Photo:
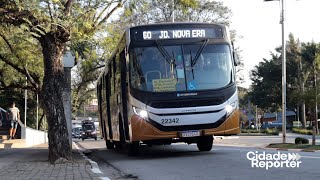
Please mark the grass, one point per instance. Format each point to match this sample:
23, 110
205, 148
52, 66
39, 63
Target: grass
294, 146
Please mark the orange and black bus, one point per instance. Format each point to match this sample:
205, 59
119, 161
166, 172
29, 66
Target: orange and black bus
167, 83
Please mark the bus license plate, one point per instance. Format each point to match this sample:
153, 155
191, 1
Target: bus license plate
190, 133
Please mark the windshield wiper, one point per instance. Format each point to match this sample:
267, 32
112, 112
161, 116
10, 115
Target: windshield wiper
194, 61
191, 64
164, 53
167, 57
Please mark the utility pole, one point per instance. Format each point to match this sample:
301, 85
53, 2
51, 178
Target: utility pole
37, 112
257, 117
172, 10
315, 123
25, 103
249, 113
68, 63
284, 83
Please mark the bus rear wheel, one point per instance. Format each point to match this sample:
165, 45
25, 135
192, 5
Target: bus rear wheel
118, 145
205, 143
133, 149
109, 144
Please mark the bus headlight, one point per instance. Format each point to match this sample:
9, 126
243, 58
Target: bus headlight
231, 107
140, 112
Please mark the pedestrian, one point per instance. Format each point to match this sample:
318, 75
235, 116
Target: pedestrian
13, 115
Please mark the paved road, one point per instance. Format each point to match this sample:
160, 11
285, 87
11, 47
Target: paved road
182, 161
260, 141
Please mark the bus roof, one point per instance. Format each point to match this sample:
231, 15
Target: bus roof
177, 23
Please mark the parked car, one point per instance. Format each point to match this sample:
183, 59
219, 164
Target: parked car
76, 132
277, 125
272, 125
88, 130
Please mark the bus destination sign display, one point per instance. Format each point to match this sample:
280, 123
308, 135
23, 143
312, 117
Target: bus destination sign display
180, 34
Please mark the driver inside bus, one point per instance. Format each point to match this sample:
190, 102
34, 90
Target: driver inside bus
150, 66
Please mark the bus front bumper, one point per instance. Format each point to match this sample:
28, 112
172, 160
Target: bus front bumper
141, 129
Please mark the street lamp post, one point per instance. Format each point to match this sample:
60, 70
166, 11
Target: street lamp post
68, 60
284, 83
172, 10
25, 103
283, 71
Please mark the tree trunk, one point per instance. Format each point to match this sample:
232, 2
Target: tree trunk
52, 92
40, 121
301, 84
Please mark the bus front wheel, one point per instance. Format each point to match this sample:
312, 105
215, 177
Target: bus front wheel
205, 143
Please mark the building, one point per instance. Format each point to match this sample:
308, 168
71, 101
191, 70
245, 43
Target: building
270, 119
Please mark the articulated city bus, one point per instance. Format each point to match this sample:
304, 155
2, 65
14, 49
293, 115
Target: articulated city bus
167, 83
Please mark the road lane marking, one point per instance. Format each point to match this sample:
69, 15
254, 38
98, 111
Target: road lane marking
94, 166
226, 137
311, 157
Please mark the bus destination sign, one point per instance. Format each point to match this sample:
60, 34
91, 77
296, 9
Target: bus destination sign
180, 34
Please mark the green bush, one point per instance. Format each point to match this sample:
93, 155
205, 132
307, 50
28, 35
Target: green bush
249, 131
273, 131
300, 140
302, 131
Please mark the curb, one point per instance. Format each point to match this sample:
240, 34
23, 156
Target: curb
225, 137
94, 166
267, 148
292, 150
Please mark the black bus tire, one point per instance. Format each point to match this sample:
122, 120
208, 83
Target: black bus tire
118, 145
109, 144
205, 143
133, 149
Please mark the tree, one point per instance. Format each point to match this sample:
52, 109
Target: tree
266, 86
302, 74
147, 11
136, 13
87, 72
267, 80
311, 55
19, 56
53, 24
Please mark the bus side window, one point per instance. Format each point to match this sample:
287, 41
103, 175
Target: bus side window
114, 65
111, 79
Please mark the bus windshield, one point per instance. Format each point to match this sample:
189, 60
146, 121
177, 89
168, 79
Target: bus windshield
181, 67
87, 127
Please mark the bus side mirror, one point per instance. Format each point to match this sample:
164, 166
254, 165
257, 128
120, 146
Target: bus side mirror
235, 56
236, 59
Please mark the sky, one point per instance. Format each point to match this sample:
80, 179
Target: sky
258, 23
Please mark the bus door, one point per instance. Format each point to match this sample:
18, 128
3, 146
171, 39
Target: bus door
108, 86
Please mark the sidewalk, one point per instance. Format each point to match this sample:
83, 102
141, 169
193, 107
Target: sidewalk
32, 163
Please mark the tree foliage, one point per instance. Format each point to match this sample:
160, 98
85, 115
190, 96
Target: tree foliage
51, 24
147, 11
302, 73
144, 12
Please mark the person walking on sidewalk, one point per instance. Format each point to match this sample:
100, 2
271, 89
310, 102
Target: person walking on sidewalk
13, 115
